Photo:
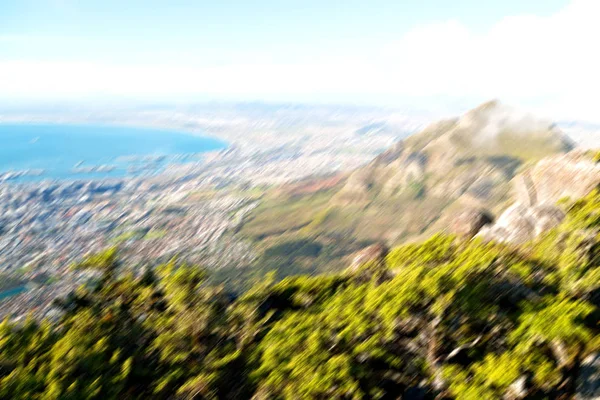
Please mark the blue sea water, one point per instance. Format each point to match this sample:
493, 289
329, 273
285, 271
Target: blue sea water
12, 292
73, 151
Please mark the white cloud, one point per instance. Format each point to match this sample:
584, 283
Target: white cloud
519, 57
550, 63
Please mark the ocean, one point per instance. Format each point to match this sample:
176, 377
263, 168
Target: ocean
12, 292
54, 151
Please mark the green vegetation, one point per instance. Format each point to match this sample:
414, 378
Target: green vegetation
277, 215
128, 235
440, 319
412, 189
416, 189
155, 234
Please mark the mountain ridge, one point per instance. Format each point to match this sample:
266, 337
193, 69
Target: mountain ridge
412, 189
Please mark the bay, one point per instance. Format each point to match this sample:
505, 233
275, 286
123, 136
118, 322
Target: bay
56, 151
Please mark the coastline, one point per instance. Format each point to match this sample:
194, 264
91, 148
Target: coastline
86, 151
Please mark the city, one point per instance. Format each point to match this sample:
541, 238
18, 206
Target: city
189, 210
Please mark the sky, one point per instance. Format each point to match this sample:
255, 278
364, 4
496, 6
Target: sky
443, 54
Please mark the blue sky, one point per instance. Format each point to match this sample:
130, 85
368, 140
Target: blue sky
225, 31
378, 51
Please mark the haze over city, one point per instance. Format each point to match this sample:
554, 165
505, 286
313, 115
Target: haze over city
425, 55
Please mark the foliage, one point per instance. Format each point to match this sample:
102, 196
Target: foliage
448, 318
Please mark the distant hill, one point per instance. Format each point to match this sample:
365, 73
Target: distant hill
411, 189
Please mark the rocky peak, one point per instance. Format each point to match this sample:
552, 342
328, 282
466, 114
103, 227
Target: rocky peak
468, 161
495, 128
494, 117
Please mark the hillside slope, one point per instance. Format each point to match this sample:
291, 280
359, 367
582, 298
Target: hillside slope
442, 319
416, 186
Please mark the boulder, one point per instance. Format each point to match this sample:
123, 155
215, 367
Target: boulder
467, 223
517, 389
538, 190
573, 175
375, 253
521, 223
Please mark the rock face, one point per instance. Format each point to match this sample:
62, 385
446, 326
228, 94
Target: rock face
573, 175
388, 174
495, 130
521, 223
409, 191
451, 155
538, 190
374, 253
469, 222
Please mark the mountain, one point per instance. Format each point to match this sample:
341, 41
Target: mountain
468, 155
445, 318
416, 187
511, 311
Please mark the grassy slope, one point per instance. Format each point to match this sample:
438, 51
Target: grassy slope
403, 216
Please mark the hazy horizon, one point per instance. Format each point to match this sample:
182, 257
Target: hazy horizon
532, 54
